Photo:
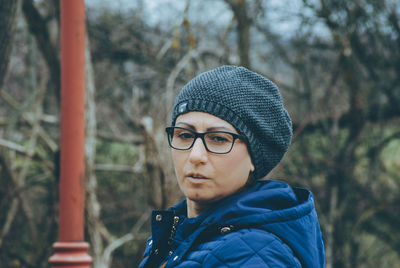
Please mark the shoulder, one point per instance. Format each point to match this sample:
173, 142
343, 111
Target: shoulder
250, 248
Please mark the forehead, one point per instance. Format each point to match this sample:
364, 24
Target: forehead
201, 120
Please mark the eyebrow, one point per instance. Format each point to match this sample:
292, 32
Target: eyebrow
190, 126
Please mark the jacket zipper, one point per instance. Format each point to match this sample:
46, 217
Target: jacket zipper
173, 230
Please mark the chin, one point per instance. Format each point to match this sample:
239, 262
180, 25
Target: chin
203, 199
198, 197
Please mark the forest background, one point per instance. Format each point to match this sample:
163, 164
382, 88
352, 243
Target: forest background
337, 63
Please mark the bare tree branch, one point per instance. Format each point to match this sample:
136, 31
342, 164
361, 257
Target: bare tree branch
28, 118
12, 211
107, 256
322, 101
13, 146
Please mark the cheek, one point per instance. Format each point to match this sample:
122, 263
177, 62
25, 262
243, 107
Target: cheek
178, 160
238, 166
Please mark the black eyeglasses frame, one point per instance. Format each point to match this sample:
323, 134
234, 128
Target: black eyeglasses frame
170, 131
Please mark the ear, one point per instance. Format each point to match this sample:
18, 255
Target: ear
251, 167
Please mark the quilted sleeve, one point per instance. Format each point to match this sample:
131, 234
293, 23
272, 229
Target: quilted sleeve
251, 248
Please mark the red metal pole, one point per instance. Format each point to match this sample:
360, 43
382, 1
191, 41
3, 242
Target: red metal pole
70, 249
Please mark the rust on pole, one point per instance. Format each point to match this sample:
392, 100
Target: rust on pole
70, 250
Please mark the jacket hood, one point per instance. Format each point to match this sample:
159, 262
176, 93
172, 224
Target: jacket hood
273, 206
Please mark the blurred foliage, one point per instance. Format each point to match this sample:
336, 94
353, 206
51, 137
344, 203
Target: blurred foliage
337, 64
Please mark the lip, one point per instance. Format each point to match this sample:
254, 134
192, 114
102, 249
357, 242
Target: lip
196, 176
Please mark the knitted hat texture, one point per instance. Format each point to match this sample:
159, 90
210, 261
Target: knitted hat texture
249, 102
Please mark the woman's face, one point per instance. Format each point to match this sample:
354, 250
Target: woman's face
205, 177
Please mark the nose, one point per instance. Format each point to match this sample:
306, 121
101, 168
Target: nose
198, 153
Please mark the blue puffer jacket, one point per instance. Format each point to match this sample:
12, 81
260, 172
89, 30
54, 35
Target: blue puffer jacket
269, 225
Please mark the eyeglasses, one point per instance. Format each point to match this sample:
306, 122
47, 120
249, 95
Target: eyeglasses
217, 142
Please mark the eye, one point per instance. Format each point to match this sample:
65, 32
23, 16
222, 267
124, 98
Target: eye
219, 138
184, 135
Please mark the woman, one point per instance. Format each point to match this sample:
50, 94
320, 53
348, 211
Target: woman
229, 129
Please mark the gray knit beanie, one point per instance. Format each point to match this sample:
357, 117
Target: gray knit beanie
249, 102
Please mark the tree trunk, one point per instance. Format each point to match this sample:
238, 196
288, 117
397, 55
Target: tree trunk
92, 203
8, 14
239, 8
38, 28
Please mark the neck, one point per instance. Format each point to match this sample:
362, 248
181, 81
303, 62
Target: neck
194, 208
